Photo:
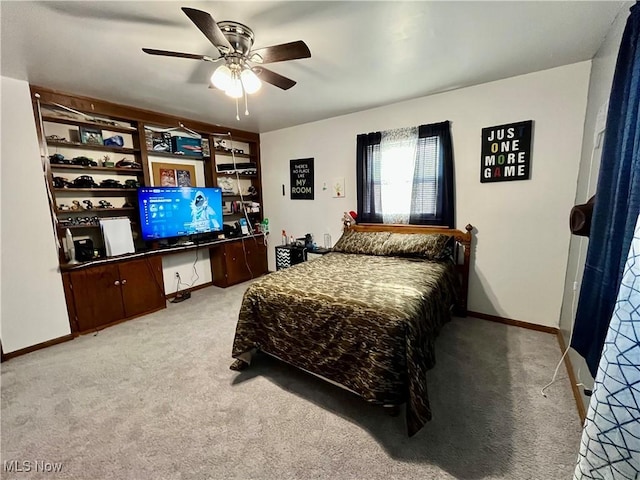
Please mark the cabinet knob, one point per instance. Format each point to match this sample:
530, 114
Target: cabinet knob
116, 283
124, 282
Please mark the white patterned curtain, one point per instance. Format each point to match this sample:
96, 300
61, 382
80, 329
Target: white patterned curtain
397, 161
610, 447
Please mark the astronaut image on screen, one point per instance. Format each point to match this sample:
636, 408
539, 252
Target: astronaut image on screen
202, 215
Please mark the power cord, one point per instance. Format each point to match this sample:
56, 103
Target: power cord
250, 228
573, 300
181, 297
244, 208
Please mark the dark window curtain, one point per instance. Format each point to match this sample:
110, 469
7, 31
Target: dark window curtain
368, 175
617, 202
434, 152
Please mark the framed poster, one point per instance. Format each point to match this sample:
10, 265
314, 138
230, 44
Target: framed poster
301, 186
506, 152
173, 175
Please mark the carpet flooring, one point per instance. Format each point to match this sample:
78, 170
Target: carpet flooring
154, 398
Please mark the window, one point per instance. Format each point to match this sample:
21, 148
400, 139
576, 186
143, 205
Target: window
406, 176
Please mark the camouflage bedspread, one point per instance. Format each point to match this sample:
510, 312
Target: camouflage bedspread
366, 322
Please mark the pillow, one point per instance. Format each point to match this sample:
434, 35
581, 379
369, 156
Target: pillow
432, 246
367, 243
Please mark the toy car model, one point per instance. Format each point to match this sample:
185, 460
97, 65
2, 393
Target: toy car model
61, 182
84, 161
84, 181
110, 183
58, 158
125, 163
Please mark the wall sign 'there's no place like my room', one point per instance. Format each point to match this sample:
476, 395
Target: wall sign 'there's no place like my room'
506, 152
301, 179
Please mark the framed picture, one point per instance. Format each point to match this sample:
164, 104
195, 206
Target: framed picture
91, 136
338, 187
173, 175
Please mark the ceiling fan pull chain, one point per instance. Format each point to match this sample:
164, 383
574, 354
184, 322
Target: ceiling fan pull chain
246, 103
237, 111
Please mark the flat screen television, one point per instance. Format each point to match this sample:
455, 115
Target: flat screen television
170, 212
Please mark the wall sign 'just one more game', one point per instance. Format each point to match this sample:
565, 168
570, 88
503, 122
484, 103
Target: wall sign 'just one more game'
506, 152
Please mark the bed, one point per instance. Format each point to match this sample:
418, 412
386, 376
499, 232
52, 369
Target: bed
364, 316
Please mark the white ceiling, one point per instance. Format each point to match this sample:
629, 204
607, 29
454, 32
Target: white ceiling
364, 54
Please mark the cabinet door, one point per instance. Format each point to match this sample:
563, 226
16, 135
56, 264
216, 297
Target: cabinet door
142, 286
97, 296
236, 264
257, 256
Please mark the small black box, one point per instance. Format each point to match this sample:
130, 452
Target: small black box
84, 249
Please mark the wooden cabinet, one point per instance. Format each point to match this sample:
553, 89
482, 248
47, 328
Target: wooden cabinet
238, 261
106, 294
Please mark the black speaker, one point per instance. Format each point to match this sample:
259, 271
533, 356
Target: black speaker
84, 249
231, 231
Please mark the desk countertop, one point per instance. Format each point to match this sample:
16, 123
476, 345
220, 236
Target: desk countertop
163, 250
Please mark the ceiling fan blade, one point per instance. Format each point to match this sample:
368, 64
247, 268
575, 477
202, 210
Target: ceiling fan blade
207, 25
281, 53
166, 53
273, 78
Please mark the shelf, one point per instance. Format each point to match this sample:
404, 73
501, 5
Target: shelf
237, 155
91, 146
96, 190
65, 166
97, 209
77, 227
237, 195
80, 123
240, 175
174, 155
239, 214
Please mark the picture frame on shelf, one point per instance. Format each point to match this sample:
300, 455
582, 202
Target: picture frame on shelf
173, 175
91, 136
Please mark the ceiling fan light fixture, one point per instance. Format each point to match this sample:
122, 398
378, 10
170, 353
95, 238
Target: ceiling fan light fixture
222, 77
250, 81
234, 90
234, 43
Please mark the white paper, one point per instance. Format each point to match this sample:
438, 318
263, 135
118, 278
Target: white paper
117, 235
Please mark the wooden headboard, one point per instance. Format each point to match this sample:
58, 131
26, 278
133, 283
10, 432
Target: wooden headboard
463, 241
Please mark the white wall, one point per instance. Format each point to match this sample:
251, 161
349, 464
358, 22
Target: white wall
603, 66
522, 240
33, 305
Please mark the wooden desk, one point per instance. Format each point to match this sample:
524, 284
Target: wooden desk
106, 291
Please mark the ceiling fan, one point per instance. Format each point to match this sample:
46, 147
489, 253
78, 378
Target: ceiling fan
242, 71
